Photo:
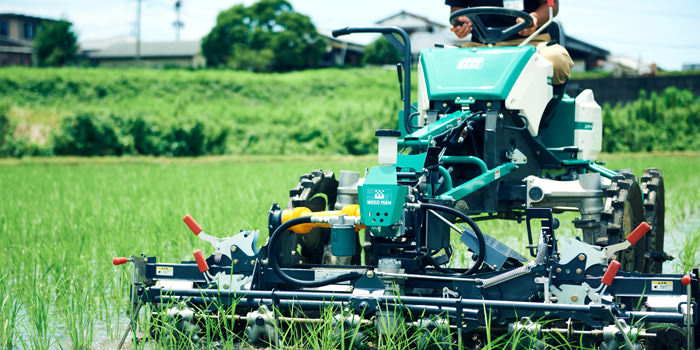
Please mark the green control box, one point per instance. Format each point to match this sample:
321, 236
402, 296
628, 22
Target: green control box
382, 200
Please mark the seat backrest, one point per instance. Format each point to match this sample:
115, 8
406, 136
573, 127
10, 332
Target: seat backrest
556, 31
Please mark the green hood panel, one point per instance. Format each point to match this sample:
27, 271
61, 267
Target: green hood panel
471, 74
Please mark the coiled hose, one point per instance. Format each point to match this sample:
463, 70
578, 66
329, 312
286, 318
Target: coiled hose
273, 253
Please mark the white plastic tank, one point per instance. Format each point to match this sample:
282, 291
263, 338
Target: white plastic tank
588, 126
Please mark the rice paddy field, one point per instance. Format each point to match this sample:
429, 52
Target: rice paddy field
62, 220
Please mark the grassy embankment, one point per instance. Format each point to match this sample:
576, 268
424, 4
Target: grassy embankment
324, 111
63, 220
73, 111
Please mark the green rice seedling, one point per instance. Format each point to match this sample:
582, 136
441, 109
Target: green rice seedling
9, 313
38, 303
77, 316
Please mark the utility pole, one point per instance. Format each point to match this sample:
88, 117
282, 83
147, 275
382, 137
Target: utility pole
138, 31
178, 24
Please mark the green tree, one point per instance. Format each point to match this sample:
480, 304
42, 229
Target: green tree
55, 44
267, 36
381, 51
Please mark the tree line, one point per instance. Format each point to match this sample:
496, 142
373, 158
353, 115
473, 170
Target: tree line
267, 36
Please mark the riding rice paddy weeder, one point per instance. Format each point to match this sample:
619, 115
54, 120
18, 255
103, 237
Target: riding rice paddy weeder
485, 141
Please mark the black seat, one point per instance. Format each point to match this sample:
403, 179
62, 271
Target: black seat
556, 32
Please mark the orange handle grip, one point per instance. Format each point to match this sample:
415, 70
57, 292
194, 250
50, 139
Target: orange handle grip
611, 272
119, 261
550, 3
685, 280
201, 262
638, 233
192, 224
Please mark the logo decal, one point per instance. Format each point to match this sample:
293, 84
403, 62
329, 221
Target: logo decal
471, 63
378, 194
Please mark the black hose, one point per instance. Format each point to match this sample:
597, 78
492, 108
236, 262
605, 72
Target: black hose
272, 252
471, 223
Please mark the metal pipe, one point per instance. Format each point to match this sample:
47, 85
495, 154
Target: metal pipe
466, 160
446, 175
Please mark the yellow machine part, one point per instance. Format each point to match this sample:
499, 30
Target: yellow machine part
289, 214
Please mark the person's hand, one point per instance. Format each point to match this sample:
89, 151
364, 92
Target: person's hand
464, 29
530, 30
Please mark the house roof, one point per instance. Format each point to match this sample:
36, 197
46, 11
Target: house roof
25, 17
150, 49
406, 13
573, 44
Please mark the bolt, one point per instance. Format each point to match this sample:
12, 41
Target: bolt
370, 274
574, 298
225, 286
579, 271
488, 104
581, 257
235, 261
233, 248
558, 270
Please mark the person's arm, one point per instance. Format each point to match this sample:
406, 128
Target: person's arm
539, 17
461, 31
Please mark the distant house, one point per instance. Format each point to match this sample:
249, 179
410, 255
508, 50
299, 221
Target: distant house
691, 66
586, 56
183, 54
17, 34
412, 23
422, 31
341, 53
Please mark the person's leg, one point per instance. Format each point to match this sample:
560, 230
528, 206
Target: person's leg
561, 61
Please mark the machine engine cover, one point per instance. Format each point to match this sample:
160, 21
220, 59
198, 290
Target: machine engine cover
470, 74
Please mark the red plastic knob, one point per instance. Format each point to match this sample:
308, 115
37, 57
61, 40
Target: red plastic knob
192, 224
638, 233
119, 261
550, 3
201, 262
685, 280
611, 272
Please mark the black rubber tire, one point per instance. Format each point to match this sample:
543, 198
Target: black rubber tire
318, 191
652, 183
622, 213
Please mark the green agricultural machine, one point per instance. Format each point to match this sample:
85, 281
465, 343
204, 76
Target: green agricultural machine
485, 140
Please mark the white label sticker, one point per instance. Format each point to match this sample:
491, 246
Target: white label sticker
665, 286
497, 174
326, 274
164, 271
514, 4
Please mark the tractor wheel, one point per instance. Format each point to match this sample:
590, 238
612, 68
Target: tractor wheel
653, 189
623, 212
317, 191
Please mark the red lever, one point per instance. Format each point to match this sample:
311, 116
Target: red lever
201, 262
638, 233
611, 272
119, 261
685, 280
550, 3
192, 224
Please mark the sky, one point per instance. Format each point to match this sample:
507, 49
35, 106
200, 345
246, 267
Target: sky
661, 32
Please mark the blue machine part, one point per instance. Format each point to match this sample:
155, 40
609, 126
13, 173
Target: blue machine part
496, 252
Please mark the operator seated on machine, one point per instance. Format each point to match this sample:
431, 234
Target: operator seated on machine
539, 11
